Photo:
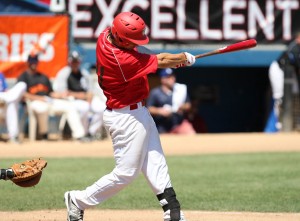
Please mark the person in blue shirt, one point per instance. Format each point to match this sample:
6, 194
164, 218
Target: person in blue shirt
169, 104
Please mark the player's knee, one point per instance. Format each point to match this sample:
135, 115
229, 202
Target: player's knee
168, 201
126, 176
22, 86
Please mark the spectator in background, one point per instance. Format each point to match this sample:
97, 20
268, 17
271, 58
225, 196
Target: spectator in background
287, 66
43, 101
289, 62
276, 77
169, 104
9, 104
293, 53
195, 118
79, 85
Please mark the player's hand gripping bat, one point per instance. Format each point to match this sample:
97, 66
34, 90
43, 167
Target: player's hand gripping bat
242, 45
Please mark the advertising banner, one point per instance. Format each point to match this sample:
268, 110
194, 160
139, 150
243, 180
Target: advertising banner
193, 21
21, 35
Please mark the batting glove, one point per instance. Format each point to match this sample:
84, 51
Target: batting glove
190, 59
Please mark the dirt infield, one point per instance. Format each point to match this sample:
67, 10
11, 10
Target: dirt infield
146, 215
173, 145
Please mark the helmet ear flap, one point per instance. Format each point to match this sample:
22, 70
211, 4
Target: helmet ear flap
118, 39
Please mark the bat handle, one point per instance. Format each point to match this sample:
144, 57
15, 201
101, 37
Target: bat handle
207, 54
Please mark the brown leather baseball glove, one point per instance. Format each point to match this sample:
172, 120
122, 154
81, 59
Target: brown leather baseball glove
28, 173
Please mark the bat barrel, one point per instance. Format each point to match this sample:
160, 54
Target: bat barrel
250, 43
242, 45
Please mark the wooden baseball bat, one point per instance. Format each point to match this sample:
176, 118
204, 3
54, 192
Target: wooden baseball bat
242, 45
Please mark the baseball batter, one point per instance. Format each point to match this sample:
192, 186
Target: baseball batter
122, 74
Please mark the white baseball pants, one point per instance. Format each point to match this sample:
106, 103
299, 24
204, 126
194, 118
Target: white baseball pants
137, 148
59, 106
12, 98
91, 114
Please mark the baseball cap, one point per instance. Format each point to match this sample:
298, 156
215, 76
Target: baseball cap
166, 72
33, 59
74, 57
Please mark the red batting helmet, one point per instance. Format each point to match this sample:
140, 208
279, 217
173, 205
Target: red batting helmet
129, 27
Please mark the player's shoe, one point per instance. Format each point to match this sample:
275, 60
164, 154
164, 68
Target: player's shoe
74, 213
167, 216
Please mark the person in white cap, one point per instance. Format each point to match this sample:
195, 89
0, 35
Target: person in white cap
79, 86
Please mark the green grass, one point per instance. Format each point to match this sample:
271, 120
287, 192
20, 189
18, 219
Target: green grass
260, 182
